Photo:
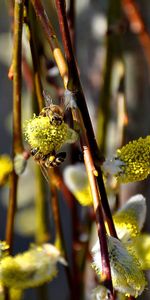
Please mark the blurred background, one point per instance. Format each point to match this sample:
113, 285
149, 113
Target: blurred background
113, 64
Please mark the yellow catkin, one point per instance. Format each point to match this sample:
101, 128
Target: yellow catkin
127, 277
6, 167
39, 133
136, 160
140, 248
31, 268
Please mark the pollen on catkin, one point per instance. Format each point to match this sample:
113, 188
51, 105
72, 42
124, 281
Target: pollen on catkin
127, 276
39, 133
6, 167
140, 248
131, 162
129, 219
136, 156
31, 268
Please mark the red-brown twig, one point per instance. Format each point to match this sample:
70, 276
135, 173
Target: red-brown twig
34, 54
137, 25
80, 100
17, 136
52, 39
92, 176
60, 237
17, 133
71, 21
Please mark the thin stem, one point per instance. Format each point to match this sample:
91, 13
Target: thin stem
59, 184
71, 21
59, 241
137, 25
35, 59
27, 74
17, 59
17, 135
113, 52
92, 176
122, 121
77, 272
11, 210
52, 39
75, 86
42, 234
11, 13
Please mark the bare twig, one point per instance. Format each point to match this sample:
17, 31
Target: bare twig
137, 25
42, 234
11, 210
52, 39
59, 240
27, 74
34, 54
113, 51
92, 176
75, 86
59, 184
71, 21
17, 135
17, 59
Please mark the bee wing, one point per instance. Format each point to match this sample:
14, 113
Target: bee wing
47, 98
68, 100
44, 172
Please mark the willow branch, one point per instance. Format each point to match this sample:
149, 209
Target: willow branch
77, 269
75, 86
11, 13
11, 210
122, 120
17, 135
137, 25
35, 58
59, 240
52, 39
71, 21
59, 184
92, 176
17, 59
42, 234
113, 52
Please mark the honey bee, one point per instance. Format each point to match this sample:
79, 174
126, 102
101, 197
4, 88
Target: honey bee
55, 113
49, 160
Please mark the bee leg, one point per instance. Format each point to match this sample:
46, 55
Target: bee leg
34, 151
44, 112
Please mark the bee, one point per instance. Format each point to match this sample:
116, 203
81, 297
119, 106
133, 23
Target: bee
49, 160
55, 113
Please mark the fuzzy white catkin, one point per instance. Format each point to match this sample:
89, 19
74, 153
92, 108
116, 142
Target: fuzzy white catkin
127, 277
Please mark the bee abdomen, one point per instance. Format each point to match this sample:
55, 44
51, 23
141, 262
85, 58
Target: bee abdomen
55, 161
